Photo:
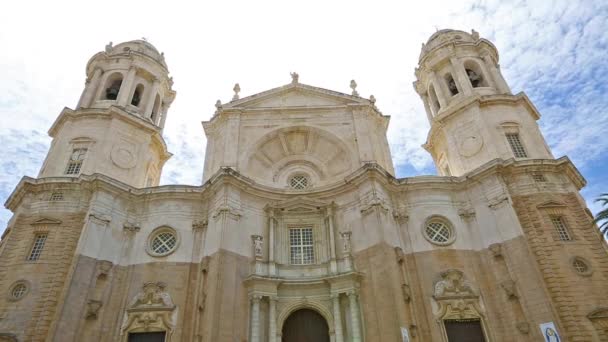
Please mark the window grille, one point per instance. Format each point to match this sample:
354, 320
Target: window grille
580, 266
516, 146
57, 196
75, 162
301, 246
164, 242
37, 247
18, 291
438, 232
299, 182
538, 178
562, 229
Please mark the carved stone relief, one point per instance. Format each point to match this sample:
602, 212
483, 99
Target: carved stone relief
152, 309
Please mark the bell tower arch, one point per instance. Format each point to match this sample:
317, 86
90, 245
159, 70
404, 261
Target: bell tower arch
116, 128
474, 116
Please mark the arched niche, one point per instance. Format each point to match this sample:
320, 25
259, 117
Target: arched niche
280, 154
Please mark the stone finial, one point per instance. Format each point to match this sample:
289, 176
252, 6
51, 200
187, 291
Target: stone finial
294, 77
162, 57
218, 106
372, 99
109, 47
475, 34
353, 86
237, 89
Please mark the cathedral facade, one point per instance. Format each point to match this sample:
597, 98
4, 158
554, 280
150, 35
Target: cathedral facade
300, 230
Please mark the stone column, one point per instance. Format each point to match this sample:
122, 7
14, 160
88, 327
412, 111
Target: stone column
272, 320
126, 87
271, 229
255, 318
332, 241
439, 91
90, 90
335, 298
354, 316
499, 81
427, 108
151, 97
460, 75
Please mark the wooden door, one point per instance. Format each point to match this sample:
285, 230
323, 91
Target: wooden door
464, 331
305, 326
147, 337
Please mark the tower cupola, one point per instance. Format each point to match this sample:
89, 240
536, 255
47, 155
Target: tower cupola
131, 75
474, 116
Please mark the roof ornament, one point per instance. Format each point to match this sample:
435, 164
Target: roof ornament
162, 57
218, 106
294, 77
237, 89
353, 86
372, 99
475, 34
109, 47
144, 39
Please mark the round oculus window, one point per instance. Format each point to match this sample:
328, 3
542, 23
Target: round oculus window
439, 232
299, 182
163, 242
581, 266
18, 291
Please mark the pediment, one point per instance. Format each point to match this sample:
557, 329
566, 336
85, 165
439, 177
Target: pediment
299, 204
550, 205
296, 95
46, 221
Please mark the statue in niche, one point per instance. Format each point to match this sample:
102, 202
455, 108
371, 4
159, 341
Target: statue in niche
346, 246
474, 78
257, 246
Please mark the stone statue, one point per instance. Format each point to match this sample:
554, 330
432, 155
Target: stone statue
475, 34
257, 246
346, 247
109, 47
372, 99
218, 106
294, 77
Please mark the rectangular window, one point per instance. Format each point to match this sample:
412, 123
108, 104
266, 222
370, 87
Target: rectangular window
75, 162
516, 145
464, 330
301, 246
57, 196
37, 247
538, 178
147, 337
562, 229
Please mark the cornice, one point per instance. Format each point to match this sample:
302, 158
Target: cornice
113, 112
229, 176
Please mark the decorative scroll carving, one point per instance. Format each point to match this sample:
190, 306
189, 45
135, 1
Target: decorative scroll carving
452, 285
399, 255
152, 309
93, 307
200, 224
374, 202
228, 211
510, 289
407, 292
131, 227
455, 297
496, 249
103, 268
498, 202
523, 327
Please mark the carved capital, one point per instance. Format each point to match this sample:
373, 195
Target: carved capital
200, 224
496, 249
93, 307
510, 289
407, 292
131, 227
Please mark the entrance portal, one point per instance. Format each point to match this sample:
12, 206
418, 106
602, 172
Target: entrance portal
305, 326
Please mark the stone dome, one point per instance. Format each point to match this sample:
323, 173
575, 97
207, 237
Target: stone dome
446, 36
137, 46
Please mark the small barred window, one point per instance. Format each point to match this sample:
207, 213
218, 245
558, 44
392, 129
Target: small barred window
18, 291
539, 178
439, 231
37, 247
580, 266
299, 182
516, 146
562, 229
75, 162
163, 242
301, 246
57, 196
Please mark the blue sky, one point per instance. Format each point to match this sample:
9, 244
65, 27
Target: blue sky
555, 51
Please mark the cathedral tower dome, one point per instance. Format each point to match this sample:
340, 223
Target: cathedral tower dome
474, 116
116, 129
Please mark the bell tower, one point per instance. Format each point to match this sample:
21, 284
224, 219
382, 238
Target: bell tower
116, 128
474, 116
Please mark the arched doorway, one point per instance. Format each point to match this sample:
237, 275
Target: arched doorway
305, 325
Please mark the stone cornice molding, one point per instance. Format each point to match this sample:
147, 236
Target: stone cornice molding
46, 221
113, 112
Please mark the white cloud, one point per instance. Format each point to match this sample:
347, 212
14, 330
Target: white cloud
554, 50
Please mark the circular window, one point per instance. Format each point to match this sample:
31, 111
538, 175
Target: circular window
299, 182
439, 231
163, 242
18, 290
581, 266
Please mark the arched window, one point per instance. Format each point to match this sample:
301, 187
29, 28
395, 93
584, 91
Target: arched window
475, 74
113, 86
434, 102
451, 84
136, 99
155, 108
